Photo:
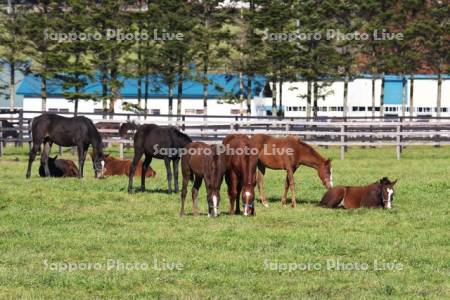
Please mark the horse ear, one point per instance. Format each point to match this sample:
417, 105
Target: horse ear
54, 158
329, 161
106, 155
394, 182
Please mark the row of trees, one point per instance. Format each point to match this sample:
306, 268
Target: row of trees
283, 40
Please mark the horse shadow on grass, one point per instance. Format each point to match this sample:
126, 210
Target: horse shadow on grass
274, 200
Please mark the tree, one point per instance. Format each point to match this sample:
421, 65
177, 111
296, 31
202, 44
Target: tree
211, 36
12, 44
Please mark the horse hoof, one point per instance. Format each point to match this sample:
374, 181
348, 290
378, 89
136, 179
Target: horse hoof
265, 203
293, 205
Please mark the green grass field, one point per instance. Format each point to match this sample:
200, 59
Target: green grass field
101, 233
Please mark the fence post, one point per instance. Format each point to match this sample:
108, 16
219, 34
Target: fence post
21, 127
399, 151
1, 148
342, 142
60, 150
121, 150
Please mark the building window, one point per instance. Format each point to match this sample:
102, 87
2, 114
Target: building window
155, 111
362, 108
189, 111
98, 110
53, 110
355, 108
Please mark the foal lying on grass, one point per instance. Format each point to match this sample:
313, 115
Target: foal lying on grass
59, 168
378, 194
115, 166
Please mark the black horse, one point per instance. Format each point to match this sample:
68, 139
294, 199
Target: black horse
10, 132
67, 132
161, 142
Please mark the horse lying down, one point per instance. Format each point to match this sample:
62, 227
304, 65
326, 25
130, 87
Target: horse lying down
115, 166
378, 194
59, 168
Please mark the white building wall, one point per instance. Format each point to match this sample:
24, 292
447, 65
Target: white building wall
359, 95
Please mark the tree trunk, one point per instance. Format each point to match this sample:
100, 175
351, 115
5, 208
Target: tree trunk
404, 94
205, 90
274, 96
180, 86
44, 93
170, 87
308, 100
146, 84
249, 94
439, 96
241, 93
280, 108
373, 94
411, 98
382, 95
12, 84
316, 106
104, 93
345, 102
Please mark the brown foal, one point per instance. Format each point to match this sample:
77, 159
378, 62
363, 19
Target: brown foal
288, 153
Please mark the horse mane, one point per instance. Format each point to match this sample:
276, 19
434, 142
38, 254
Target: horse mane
96, 138
311, 150
184, 137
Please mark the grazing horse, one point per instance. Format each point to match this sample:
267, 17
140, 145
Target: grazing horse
161, 142
115, 166
59, 168
203, 161
378, 194
67, 132
288, 153
242, 161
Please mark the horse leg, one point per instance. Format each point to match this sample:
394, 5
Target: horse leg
231, 181
195, 188
169, 175
32, 157
175, 174
145, 164
44, 158
237, 210
80, 150
186, 177
83, 158
292, 186
286, 188
260, 181
137, 157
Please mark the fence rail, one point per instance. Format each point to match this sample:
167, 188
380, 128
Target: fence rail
355, 131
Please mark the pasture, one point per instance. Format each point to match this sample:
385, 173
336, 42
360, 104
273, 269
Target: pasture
94, 225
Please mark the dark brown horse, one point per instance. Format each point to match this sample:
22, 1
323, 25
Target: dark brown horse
59, 168
242, 161
288, 153
66, 132
161, 142
378, 194
203, 161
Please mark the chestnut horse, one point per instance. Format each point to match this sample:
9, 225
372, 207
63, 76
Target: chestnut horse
288, 153
116, 166
203, 161
378, 194
242, 161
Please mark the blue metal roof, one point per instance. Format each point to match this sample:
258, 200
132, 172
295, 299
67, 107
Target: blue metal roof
220, 85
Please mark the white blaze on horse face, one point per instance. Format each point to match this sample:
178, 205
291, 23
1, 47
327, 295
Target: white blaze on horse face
245, 210
216, 209
247, 194
389, 199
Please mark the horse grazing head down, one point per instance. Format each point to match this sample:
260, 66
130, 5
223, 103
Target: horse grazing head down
248, 199
326, 173
387, 191
98, 161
